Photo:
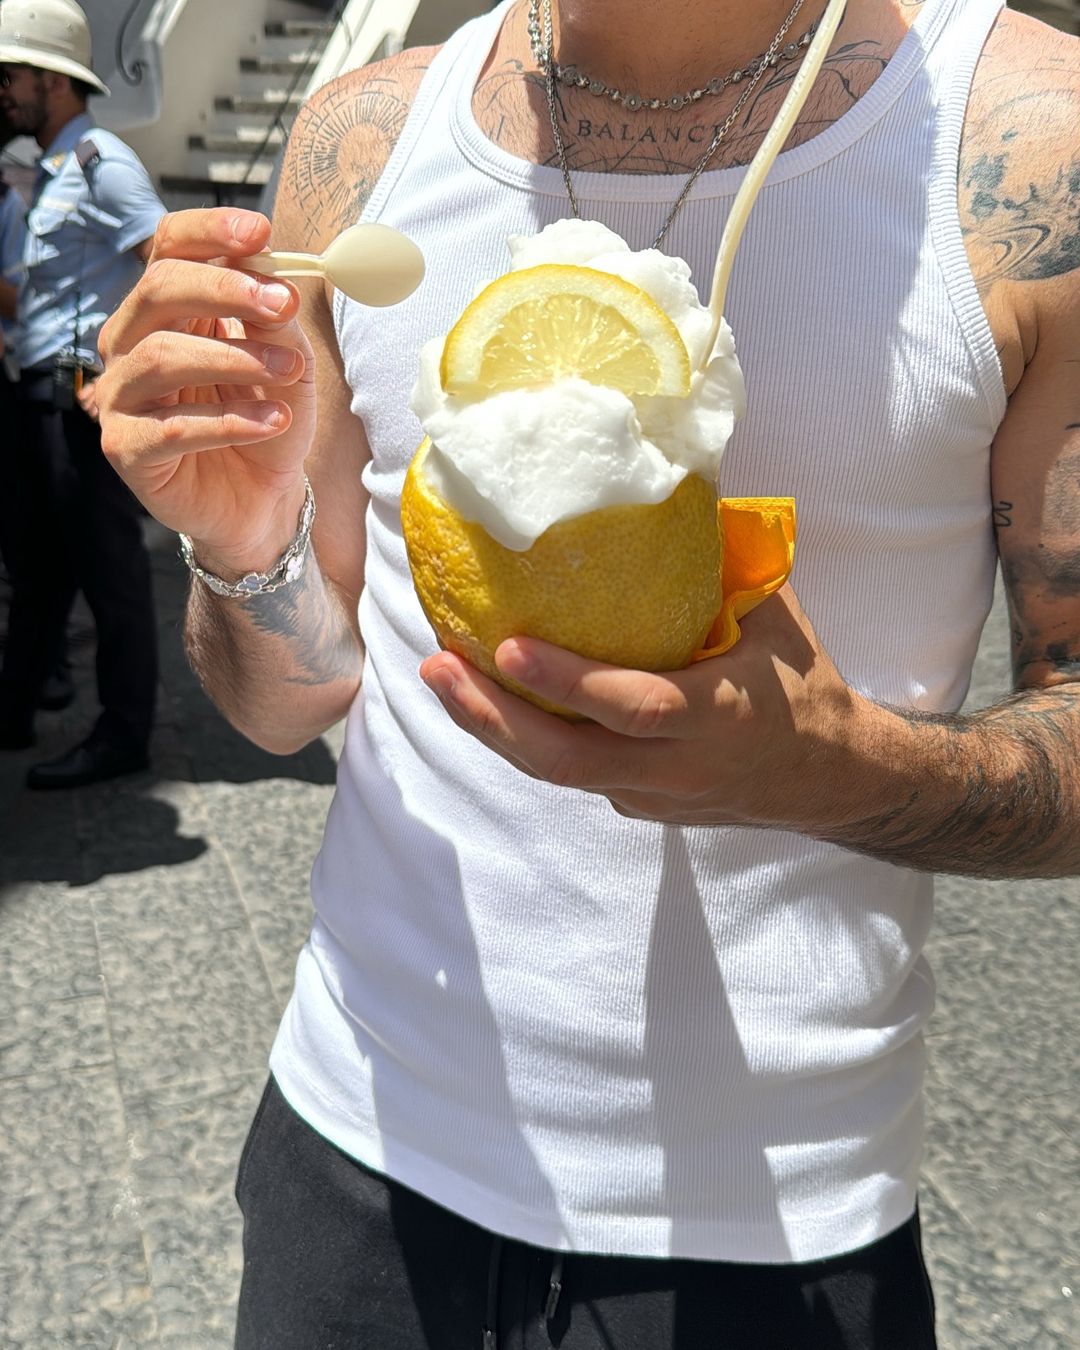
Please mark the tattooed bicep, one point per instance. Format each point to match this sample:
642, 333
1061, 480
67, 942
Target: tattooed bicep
340, 143
1039, 543
1019, 170
1021, 226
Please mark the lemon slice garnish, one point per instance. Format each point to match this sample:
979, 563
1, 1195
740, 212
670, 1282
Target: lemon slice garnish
559, 321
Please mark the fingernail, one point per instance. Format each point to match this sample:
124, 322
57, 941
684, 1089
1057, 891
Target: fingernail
280, 360
243, 229
271, 417
274, 297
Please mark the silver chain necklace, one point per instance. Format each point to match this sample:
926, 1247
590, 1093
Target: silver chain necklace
573, 76
547, 63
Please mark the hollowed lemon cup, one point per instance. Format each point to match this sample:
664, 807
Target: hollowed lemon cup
635, 586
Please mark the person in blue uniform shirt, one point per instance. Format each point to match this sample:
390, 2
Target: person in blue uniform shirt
57, 692
88, 233
12, 227
12, 233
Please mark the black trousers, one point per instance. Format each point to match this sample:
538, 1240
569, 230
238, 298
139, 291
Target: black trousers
73, 525
336, 1256
11, 434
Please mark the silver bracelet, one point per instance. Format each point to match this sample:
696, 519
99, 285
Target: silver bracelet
287, 568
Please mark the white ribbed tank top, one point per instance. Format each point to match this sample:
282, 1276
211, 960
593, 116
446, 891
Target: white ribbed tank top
606, 1035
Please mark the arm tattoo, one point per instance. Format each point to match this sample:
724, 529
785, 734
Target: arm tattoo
343, 140
1008, 775
1016, 811
317, 645
1042, 578
1021, 214
306, 615
1059, 551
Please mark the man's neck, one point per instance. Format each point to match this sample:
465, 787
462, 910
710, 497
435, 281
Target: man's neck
652, 46
607, 38
55, 122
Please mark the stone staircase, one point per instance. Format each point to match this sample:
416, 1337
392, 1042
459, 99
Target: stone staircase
232, 162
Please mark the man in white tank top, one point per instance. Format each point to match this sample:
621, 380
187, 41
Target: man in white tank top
449, 1153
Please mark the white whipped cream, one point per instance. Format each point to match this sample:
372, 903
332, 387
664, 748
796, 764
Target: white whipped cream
517, 462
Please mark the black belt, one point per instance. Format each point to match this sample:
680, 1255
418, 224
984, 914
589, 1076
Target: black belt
38, 371
36, 384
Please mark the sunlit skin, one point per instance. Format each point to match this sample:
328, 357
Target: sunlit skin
208, 409
770, 716
38, 103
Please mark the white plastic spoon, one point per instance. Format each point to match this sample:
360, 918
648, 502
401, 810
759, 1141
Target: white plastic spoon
372, 264
762, 162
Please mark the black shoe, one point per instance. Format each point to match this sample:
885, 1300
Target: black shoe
58, 693
94, 761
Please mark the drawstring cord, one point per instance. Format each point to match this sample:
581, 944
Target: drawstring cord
490, 1341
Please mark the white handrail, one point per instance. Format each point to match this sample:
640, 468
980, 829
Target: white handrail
161, 20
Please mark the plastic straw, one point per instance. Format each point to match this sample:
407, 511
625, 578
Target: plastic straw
760, 165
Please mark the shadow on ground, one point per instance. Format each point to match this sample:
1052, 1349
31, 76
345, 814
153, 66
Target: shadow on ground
134, 823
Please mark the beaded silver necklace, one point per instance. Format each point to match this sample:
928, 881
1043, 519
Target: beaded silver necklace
547, 63
539, 15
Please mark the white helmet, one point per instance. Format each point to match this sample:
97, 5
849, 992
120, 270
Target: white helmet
48, 34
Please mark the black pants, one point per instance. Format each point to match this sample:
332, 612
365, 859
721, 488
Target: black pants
75, 526
336, 1256
10, 436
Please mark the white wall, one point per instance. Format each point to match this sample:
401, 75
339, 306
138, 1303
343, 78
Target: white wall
136, 98
200, 63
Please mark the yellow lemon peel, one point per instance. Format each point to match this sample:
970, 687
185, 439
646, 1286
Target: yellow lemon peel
632, 585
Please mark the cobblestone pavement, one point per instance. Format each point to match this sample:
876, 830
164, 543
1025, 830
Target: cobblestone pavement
148, 931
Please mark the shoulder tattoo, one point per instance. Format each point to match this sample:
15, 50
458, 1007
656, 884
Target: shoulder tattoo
343, 137
1019, 175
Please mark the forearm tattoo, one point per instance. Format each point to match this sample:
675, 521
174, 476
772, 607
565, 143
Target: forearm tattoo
1015, 813
314, 630
1016, 810
316, 643
300, 634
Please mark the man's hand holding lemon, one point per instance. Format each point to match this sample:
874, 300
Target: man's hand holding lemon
766, 734
577, 415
